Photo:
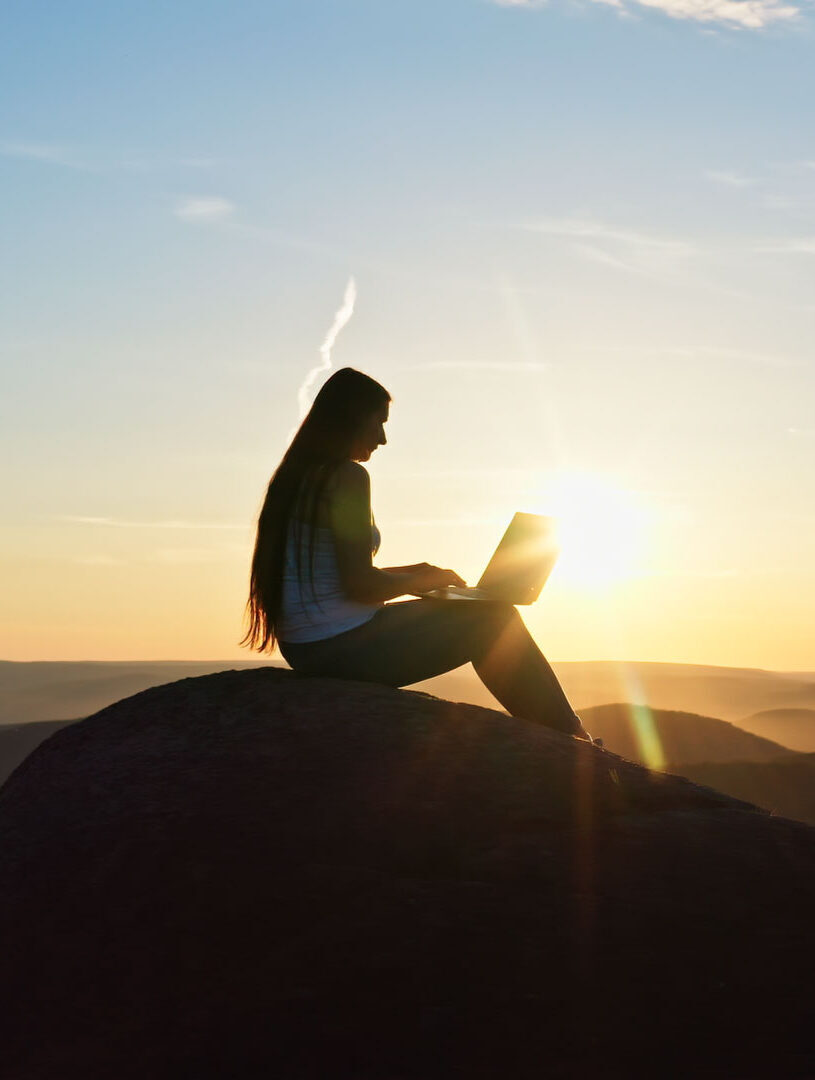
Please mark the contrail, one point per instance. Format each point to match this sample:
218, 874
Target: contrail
342, 317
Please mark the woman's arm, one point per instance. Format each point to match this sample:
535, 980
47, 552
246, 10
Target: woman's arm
411, 569
350, 516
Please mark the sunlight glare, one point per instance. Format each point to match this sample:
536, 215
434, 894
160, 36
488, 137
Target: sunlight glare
601, 528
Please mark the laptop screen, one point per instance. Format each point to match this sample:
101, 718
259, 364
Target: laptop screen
523, 559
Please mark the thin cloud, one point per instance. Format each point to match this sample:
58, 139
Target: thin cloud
793, 245
96, 160
736, 14
204, 209
729, 572
433, 473
46, 153
742, 356
198, 162
730, 179
773, 201
587, 229
146, 163
187, 556
699, 352
745, 14
100, 560
597, 255
119, 523
458, 520
615, 247
478, 365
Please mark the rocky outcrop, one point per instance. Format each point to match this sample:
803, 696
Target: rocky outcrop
254, 874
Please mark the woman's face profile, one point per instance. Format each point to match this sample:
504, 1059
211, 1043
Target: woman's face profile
370, 435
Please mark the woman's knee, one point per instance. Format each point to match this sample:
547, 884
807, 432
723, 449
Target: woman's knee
497, 613
492, 623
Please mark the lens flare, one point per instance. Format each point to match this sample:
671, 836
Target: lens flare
642, 723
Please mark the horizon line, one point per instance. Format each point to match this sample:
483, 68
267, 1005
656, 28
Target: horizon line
279, 661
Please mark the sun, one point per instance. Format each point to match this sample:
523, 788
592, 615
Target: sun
601, 528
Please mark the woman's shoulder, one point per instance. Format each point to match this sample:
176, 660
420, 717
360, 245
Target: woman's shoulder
350, 476
347, 485
348, 502
347, 477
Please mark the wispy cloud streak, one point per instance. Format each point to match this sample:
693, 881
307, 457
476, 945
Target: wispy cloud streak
341, 319
119, 523
45, 153
793, 245
700, 352
613, 246
477, 365
97, 160
603, 258
99, 560
745, 14
587, 229
738, 14
730, 179
203, 209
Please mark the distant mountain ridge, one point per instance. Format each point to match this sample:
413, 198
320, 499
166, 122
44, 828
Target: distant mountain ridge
727, 693
45, 690
785, 786
794, 728
709, 750
17, 741
640, 734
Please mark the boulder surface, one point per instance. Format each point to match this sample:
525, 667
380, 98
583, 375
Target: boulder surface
256, 874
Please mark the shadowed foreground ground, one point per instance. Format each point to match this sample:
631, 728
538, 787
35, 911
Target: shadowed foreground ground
251, 873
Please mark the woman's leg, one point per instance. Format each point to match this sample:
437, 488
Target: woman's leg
516, 672
409, 642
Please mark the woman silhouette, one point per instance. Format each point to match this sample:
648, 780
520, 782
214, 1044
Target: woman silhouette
315, 592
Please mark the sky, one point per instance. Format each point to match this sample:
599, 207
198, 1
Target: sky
582, 237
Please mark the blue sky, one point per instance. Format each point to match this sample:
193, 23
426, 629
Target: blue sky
591, 227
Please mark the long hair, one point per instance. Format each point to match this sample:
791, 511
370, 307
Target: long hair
322, 443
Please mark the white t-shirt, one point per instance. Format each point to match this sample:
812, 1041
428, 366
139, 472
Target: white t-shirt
319, 608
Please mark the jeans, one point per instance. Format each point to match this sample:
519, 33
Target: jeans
407, 642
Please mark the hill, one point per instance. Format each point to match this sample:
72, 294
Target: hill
794, 728
255, 874
42, 690
45, 690
660, 738
729, 693
785, 786
18, 740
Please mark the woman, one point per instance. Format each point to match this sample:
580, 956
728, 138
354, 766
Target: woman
315, 592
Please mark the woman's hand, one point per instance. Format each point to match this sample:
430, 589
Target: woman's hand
427, 577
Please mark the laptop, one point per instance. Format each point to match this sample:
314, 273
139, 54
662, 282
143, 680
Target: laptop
519, 567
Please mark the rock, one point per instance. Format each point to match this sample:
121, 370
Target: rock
256, 874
